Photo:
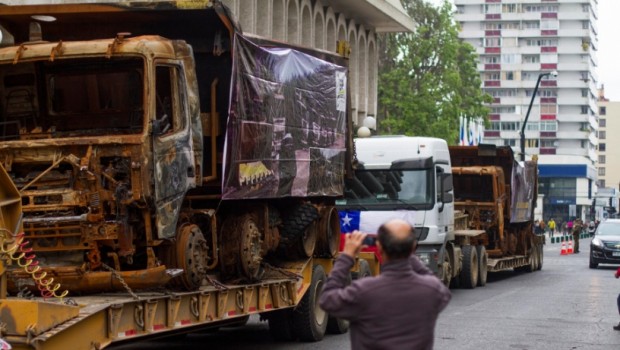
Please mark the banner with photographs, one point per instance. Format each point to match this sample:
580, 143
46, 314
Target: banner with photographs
285, 133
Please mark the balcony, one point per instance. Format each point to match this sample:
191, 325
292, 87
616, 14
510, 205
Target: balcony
573, 66
491, 133
547, 150
492, 66
548, 66
547, 117
492, 33
547, 49
492, 83
572, 117
573, 135
549, 15
573, 100
548, 100
494, 117
493, 16
547, 134
547, 83
548, 32
488, 50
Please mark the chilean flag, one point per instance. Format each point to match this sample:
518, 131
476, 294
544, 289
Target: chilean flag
350, 221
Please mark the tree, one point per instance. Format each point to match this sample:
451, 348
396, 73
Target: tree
428, 78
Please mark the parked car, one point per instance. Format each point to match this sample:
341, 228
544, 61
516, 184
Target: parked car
605, 245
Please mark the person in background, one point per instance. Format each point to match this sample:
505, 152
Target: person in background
617, 274
551, 225
577, 226
397, 309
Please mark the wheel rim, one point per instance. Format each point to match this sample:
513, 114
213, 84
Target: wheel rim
192, 256
446, 270
250, 249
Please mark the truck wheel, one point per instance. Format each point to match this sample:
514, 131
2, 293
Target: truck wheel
337, 325
364, 270
192, 254
445, 269
281, 325
483, 267
309, 320
469, 273
541, 257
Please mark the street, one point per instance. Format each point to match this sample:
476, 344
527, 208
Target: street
564, 306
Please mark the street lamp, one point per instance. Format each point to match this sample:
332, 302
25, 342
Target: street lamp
529, 108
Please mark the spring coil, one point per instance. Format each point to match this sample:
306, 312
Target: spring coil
19, 252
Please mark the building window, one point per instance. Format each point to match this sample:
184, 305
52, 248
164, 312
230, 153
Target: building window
510, 142
493, 8
531, 58
584, 109
511, 58
491, 76
547, 143
510, 126
585, 8
601, 159
531, 143
601, 183
548, 126
585, 24
601, 147
511, 8
494, 126
601, 171
552, 24
602, 135
491, 59
602, 122
492, 42
584, 92
532, 126
548, 109
602, 110
460, 9
548, 93
509, 75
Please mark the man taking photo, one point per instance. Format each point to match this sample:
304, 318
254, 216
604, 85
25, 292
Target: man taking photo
397, 309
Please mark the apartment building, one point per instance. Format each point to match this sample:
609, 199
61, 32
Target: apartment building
522, 44
608, 155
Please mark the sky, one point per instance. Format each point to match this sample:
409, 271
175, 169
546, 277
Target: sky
608, 53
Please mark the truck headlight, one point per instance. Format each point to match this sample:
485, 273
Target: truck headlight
597, 242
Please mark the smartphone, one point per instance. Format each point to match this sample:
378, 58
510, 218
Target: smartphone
370, 240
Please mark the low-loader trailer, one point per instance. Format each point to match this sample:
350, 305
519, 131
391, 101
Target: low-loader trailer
164, 172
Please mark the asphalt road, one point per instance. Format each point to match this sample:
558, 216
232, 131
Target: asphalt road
564, 306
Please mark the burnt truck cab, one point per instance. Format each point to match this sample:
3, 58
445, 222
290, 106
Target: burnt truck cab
91, 133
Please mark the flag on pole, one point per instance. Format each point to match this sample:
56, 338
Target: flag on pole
461, 131
472, 138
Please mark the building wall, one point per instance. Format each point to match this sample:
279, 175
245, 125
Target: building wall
518, 41
309, 23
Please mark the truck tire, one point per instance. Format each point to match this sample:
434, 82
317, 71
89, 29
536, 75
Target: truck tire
280, 325
469, 273
309, 320
364, 270
337, 325
445, 269
294, 228
483, 267
533, 260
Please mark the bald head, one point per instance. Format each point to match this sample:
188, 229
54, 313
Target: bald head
397, 239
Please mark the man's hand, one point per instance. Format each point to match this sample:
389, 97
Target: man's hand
353, 243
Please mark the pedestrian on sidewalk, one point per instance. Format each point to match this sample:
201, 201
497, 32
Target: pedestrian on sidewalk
577, 226
397, 309
551, 225
617, 274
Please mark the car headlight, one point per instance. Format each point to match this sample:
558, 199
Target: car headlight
597, 242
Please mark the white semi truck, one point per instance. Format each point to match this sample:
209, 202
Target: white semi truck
471, 206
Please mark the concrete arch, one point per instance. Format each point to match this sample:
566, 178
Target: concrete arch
292, 22
263, 18
330, 30
306, 24
278, 27
246, 16
319, 27
373, 59
362, 72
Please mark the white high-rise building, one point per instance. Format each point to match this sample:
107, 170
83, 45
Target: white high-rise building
521, 45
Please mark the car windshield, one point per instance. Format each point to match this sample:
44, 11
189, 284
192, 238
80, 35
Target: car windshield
608, 229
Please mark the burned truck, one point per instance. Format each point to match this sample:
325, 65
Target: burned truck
156, 146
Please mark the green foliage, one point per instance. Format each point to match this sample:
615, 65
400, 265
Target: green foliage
428, 78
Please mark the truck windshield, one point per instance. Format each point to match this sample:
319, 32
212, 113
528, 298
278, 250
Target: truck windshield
71, 97
390, 189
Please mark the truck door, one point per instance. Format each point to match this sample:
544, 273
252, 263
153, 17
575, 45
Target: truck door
173, 161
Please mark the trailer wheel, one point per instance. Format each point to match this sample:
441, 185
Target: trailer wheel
469, 273
533, 261
483, 267
309, 320
281, 325
337, 325
364, 270
541, 257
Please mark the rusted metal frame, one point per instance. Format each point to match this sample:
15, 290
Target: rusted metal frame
213, 133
